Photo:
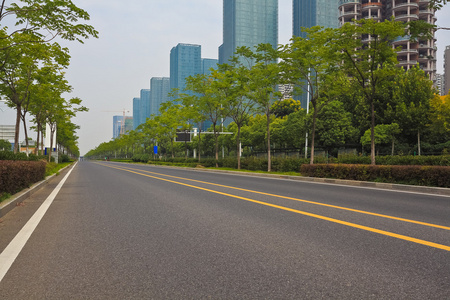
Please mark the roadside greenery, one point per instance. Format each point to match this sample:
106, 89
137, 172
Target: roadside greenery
361, 103
33, 64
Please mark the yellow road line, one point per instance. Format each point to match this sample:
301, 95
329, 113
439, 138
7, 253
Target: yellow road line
370, 229
299, 200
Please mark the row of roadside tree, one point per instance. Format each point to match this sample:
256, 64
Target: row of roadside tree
357, 94
33, 64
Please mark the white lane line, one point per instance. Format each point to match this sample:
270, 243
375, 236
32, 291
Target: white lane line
9, 255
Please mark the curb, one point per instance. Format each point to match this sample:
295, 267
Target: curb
354, 183
11, 203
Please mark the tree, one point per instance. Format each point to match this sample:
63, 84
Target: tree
232, 82
19, 73
437, 4
369, 60
294, 129
413, 94
5, 145
384, 134
440, 119
310, 64
285, 107
43, 20
264, 77
334, 126
168, 123
207, 100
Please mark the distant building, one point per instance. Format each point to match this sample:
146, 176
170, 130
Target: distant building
440, 84
7, 132
248, 23
160, 89
145, 101
446, 76
287, 91
120, 127
412, 53
309, 13
208, 64
136, 112
185, 61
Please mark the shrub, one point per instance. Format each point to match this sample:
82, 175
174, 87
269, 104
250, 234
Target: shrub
438, 176
17, 175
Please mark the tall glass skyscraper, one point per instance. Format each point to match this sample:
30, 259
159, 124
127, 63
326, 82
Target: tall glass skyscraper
136, 112
309, 13
145, 105
160, 88
248, 23
208, 64
185, 61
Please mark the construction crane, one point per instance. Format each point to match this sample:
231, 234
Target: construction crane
122, 128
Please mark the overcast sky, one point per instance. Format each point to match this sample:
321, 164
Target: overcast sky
135, 39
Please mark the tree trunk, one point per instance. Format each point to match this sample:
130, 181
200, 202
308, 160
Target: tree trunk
42, 140
199, 143
269, 160
393, 144
238, 145
17, 129
216, 138
313, 136
36, 149
418, 142
372, 135
26, 132
51, 145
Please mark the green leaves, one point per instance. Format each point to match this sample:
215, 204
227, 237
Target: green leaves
55, 17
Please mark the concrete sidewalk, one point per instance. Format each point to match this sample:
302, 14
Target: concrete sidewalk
7, 205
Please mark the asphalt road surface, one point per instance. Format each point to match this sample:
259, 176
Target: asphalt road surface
125, 231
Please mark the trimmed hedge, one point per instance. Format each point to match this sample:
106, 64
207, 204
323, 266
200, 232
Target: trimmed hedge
17, 175
9, 155
440, 160
438, 176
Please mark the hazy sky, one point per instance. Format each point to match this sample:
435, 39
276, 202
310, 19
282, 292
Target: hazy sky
135, 40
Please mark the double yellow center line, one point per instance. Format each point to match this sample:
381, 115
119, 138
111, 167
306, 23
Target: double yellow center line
386, 233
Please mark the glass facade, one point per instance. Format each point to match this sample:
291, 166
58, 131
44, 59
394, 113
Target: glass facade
117, 126
208, 64
136, 112
160, 88
145, 105
308, 13
185, 61
248, 23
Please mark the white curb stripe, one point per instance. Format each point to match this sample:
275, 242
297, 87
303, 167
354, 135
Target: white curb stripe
9, 255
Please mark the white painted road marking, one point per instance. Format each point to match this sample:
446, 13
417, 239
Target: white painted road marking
9, 255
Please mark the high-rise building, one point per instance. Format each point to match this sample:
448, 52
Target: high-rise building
446, 79
248, 23
309, 13
160, 88
412, 53
440, 84
121, 125
208, 64
136, 112
144, 107
185, 61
